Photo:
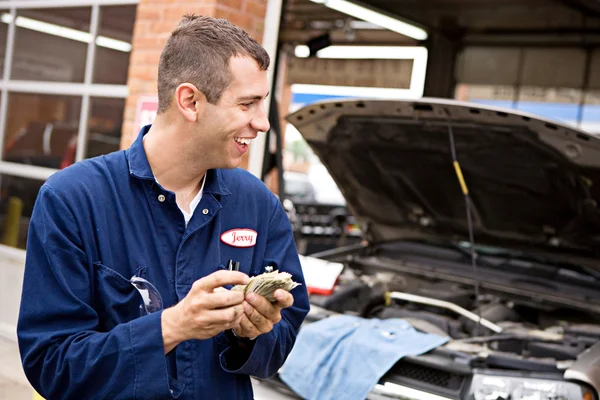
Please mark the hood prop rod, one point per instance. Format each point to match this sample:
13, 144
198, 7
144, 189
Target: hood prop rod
465, 191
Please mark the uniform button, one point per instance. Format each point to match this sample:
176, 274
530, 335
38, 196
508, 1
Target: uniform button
205, 211
161, 197
171, 390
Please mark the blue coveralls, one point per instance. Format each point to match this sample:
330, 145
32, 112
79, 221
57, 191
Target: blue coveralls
101, 221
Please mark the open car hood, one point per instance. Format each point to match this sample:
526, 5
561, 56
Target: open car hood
534, 184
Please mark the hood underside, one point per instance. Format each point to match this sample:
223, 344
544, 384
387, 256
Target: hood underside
533, 184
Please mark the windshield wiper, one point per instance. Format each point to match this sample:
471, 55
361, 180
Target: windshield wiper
499, 258
534, 264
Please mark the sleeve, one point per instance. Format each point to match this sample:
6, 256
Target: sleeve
269, 351
63, 353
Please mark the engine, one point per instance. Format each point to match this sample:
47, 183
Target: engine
519, 329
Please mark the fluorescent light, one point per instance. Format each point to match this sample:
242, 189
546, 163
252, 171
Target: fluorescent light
68, 33
302, 51
372, 52
377, 18
355, 91
52, 29
417, 54
114, 44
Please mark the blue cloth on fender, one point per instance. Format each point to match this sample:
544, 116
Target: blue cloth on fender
343, 357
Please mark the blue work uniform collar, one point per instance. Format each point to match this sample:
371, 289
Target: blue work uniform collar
139, 167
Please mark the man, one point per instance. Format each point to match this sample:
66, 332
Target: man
172, 211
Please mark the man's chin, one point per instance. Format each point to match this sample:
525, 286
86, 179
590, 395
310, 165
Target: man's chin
233, 163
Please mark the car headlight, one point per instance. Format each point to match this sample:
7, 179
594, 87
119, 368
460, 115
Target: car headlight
494, 387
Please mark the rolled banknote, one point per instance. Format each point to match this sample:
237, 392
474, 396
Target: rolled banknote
266, 284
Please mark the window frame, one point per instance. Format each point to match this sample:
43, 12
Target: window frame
85, 90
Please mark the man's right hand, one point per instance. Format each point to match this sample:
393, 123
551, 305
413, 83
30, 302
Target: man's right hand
204, 312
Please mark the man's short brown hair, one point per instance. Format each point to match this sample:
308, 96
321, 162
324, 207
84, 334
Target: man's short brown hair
198, 52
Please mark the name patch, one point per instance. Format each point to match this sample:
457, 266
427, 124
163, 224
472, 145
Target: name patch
239, 237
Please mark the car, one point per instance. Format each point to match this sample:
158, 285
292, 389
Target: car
318, 224
480, 224
298, 188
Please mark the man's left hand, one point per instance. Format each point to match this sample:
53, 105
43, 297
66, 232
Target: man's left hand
260, 315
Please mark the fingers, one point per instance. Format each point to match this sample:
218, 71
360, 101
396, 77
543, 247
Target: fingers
220, 278
284, 299
261, 322
245, 328
264, 307
225, 318
224, 299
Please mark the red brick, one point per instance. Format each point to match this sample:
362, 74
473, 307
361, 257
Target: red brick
258, 25
148, 43
131, 101
163, 27
256, 9
239, 5
145, 57
149, 12
238, 18
176, 11
139, 86
144, 72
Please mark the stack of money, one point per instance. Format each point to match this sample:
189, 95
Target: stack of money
266, 284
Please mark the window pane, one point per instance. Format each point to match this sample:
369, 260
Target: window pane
17, 196
491, 95
558, 104
3, 36
41, 129
104, 127
51, 44
590, 120
114, 44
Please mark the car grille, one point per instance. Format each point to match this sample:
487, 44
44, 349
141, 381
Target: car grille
427, 375
427, 378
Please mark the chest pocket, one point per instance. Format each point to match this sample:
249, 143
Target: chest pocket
116, 300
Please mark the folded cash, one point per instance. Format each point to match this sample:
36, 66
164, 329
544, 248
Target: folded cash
266, 284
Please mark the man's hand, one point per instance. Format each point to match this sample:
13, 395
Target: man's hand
204, 312
260, 315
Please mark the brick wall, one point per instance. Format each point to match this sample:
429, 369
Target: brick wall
155, 21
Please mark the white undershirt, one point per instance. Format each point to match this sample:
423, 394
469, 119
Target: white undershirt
193, 204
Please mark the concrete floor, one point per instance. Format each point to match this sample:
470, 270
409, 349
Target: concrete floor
13, 384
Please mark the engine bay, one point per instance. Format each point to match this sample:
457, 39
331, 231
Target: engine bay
495, 330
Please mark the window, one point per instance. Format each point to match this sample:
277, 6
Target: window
567, 105
51, 44
62, 96
39, 128
104, 126
115, 35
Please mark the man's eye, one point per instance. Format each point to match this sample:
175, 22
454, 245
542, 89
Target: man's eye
247, 104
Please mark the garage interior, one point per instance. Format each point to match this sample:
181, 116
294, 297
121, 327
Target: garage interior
490, 42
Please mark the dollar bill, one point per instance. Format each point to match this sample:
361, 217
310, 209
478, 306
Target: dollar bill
266, 284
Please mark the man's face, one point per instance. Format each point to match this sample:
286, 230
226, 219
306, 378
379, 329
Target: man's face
227, 127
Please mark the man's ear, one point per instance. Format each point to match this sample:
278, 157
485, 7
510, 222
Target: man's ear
189, 101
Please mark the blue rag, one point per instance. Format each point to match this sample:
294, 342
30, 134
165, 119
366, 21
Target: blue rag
344, 357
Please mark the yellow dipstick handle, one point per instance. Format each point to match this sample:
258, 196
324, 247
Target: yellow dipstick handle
460, 177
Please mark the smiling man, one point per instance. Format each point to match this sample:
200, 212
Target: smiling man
127, 253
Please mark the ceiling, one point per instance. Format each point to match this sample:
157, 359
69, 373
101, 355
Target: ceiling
468, 22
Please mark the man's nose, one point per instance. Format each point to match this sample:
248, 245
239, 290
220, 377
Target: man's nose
260, 122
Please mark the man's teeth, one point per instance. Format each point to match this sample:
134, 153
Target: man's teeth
243, 140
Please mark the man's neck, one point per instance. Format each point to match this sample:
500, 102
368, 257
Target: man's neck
162, 146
